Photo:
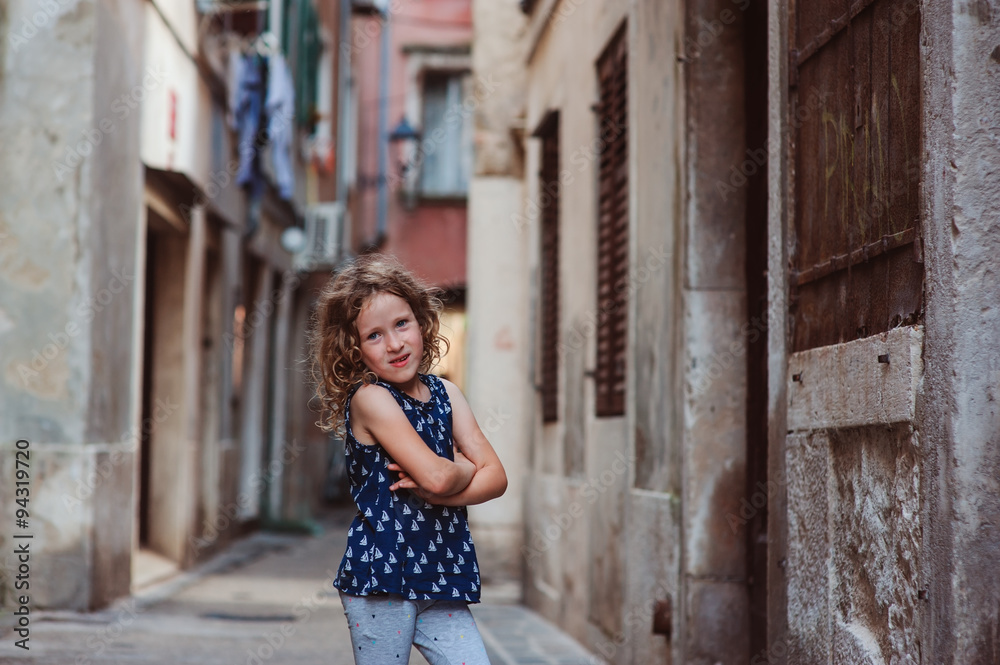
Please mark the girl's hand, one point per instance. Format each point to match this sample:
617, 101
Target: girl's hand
376, 417
490, 480
462, 459
404, 482
407, 482
433, 499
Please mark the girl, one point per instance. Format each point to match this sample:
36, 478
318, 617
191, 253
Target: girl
416, 457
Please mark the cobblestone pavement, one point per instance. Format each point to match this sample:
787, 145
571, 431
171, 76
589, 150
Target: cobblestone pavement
515, 635
266, 600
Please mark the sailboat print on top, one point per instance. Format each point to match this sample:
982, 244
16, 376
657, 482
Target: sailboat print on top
393, 529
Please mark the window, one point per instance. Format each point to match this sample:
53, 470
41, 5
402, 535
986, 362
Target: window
612, 228
446, 145
548, 193
303, 46
856, 261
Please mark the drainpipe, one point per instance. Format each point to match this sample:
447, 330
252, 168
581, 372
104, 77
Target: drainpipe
343, 109
383, 128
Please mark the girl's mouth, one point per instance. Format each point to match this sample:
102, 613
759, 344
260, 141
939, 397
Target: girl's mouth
401, 361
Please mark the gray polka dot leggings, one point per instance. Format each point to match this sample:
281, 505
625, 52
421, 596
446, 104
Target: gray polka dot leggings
384, 626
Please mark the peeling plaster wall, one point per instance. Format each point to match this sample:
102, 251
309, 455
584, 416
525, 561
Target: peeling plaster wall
44, 262
975, 236
498, 380
854, 545
682, 439
892, 557
70, 192
576, 493
714, 605
960, 414
853, 462
875, 529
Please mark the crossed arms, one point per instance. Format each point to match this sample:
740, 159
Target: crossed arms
476, 475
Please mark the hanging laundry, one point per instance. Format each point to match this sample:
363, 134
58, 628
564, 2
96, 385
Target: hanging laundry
233, 75
247, 113
280, 110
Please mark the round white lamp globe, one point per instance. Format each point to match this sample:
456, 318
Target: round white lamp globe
293, 239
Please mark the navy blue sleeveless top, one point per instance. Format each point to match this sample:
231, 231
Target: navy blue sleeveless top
399, 543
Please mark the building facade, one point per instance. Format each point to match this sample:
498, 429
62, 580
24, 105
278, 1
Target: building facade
153, 322
410, 147
745, 268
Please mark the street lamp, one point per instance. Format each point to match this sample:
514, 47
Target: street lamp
293, 239
405, 138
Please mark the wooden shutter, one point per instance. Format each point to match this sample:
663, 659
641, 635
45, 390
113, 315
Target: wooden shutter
549, 203
855, 73
612, 234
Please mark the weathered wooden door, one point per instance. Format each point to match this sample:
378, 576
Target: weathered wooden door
855, 278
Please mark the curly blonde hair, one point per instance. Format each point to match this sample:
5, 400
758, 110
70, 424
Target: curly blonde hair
337, 366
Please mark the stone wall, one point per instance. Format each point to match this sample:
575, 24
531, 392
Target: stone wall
853, 484
960, 417
882, 477
70, 192
890, 547
498, 343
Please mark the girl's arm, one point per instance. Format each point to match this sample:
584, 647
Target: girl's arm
490, 479
376, 415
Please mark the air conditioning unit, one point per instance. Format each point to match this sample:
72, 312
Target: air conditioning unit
324, 224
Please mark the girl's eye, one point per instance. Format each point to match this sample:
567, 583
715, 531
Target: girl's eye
401, 323
373, 336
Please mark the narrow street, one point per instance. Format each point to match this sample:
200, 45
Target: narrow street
267, 599
705, 290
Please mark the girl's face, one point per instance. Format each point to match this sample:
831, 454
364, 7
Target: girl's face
391, 341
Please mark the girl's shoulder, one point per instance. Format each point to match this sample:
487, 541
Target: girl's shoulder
368, 394
364, 400
370, 402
